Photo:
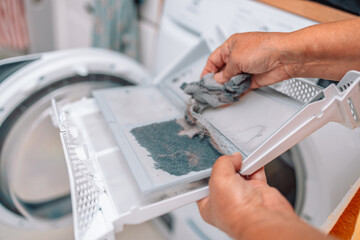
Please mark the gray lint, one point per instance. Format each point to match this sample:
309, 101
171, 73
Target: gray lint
173, 150
207, 92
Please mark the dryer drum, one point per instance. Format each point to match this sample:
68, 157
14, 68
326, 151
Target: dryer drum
37, 146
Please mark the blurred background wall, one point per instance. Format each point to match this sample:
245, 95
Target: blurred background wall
32, 26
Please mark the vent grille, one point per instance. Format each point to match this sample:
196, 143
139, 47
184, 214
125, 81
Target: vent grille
298, 89
86, 191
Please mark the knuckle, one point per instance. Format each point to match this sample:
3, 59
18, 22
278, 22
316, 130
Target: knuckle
234, 36
214, 56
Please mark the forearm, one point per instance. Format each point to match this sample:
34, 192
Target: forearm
274, 226
325, 51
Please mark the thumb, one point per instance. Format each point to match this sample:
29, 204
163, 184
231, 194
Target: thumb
226, 165
231, 69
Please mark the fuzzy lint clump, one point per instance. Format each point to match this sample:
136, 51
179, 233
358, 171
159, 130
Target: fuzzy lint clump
175, 153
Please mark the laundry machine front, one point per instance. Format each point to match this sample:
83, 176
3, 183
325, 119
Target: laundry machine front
33, 177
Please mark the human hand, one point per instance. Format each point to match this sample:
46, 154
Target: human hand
236, 205
264, 55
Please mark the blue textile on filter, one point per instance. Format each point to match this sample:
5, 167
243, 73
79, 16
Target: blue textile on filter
116, 26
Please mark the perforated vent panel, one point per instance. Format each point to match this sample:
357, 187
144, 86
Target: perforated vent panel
86, 191
298, 89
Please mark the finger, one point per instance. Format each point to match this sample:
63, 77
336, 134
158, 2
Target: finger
216, 60
226, 165
214, 63
231, 69
259, 175
203, 206
202, 203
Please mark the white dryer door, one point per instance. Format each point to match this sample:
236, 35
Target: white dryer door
35, 191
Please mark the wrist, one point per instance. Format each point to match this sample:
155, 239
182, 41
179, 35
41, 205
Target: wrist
274, 224
292, 54
261, 223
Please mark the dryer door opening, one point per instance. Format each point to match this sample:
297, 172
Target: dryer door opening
33, 175
286, 173
32, 146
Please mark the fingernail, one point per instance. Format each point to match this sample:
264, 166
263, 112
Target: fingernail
236, 154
